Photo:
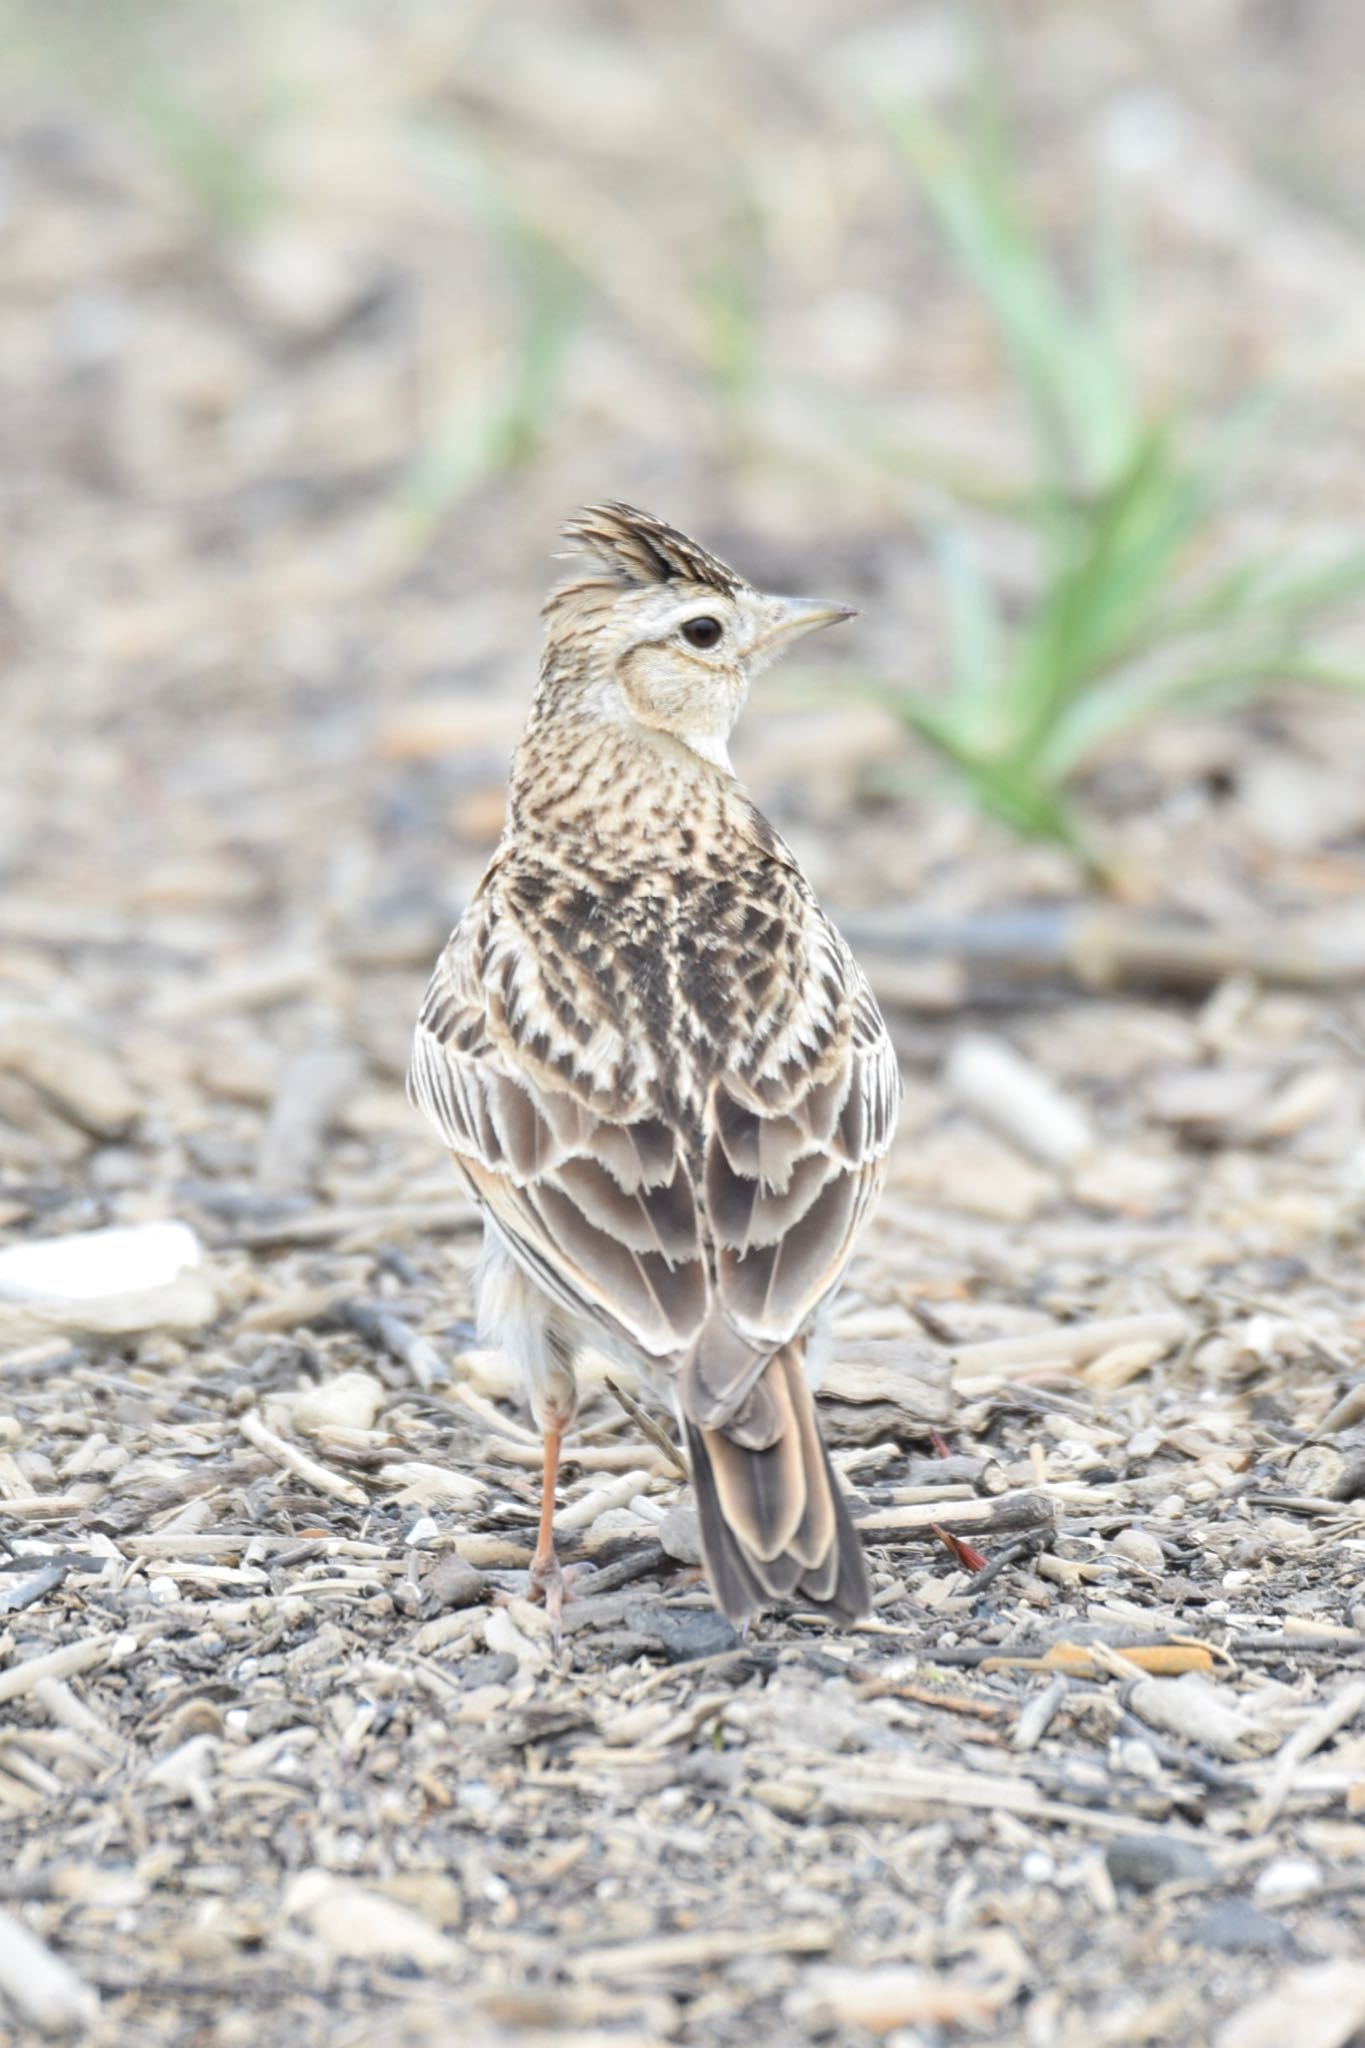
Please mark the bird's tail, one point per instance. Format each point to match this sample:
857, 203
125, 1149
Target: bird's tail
774, 1523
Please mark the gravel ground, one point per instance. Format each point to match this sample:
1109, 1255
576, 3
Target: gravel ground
284, 1755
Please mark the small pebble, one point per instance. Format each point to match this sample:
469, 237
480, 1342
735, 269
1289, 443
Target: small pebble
423, 1530
451, 1583
1142, 1862
1131, 1753
1141, 1548
501, 1634
683, 1632
1235, 1926
680, 1536
620, 1522
350, 1401
163, 1589
1316, 1469
475, 1797
496, 1669
1037, 1867
1286, 1879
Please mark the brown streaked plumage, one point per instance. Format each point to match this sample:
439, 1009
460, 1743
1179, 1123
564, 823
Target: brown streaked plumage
656, 1064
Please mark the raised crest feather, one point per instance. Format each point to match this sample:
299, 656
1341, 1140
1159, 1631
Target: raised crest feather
637, 549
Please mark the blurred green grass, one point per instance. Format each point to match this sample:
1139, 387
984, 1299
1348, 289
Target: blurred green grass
491, 433
1144, 608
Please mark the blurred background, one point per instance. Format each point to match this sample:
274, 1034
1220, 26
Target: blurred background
1036, 332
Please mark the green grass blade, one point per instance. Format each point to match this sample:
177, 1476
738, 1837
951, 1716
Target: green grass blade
1090, 607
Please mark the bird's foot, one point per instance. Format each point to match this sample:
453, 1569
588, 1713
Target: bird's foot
548, 1577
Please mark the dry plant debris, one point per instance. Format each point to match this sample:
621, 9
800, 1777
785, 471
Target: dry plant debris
284, 1755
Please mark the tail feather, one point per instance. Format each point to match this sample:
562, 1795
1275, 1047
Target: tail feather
774, 1523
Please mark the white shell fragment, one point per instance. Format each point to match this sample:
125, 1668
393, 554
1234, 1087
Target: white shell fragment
143, 1276
98, 1263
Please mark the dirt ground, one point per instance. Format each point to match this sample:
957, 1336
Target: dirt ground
315, 321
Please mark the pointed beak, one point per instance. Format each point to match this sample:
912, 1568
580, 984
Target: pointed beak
796, 616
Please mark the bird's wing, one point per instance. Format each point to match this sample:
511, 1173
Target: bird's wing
550, 1107
706, 1248
797, 1140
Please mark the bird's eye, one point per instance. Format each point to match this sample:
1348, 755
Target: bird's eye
702, 632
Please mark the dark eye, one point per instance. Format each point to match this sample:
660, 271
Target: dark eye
702, 632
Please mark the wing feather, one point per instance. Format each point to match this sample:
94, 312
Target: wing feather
703, 1225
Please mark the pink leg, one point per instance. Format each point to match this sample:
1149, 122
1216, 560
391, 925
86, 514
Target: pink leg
546, 1576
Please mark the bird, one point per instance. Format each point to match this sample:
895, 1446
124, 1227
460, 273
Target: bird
657, 1067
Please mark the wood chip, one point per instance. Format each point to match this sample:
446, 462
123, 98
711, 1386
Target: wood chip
38, 1985
1072, 1343
880, 2000
65, 1662
1334, 1715
1319, 2006
700, 1949
354, 1920
297, 1461
1191, 1709
1015, 1098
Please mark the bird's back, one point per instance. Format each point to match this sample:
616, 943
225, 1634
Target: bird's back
639, 981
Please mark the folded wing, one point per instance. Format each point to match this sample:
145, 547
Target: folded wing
701, 1218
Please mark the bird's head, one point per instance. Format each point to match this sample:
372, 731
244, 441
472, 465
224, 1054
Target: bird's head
662, 634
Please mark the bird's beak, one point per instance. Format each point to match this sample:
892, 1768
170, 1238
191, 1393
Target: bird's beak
795, 616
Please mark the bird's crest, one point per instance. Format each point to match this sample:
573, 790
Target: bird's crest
637, 549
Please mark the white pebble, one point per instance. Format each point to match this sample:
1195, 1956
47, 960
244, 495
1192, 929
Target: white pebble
350, 1401
1130, 1753
586, 1509
1286, 1879
500, 1632
1141, 1548
477, 1798
620, 1522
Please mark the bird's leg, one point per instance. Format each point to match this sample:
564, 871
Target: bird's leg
546, 1576
515, 1314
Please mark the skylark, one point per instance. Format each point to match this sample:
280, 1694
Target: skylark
657, 1066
